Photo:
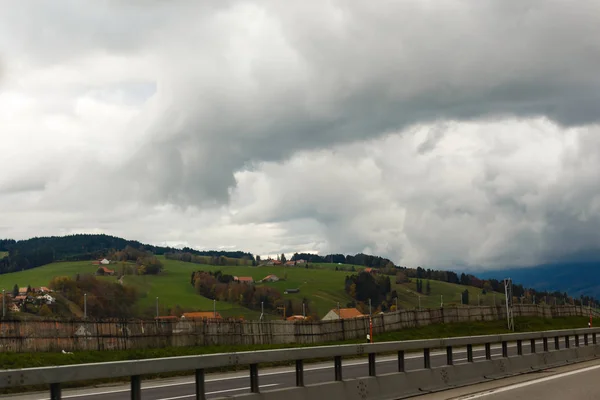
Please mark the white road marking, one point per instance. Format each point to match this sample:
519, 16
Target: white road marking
219, 391
528, 383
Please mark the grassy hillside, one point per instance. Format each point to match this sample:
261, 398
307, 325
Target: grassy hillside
3, 254
322, 286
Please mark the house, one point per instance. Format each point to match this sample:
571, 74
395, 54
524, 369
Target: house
300, 262
20, 298
42, 289
14, 308
105, 271
202, 315
296, 318
290, 263
104, 262
343, 313
243, 279
46, 299
270, 278
23, 291
370, 271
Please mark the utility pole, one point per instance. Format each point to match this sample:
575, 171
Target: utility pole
303, 310
509, 303
262, 310
85, 306
339, 312
214, 308
370, 313
3, 304
441, 301
157, 308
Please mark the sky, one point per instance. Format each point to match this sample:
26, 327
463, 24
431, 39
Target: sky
435, 133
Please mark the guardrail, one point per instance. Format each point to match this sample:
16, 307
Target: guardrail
378, 387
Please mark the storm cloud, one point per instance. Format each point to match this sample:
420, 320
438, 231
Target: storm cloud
461, 133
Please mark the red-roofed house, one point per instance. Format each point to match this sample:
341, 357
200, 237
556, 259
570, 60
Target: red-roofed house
270, 278
296, 318
243, 279
201, 315
370, 271
106, 271
343, 313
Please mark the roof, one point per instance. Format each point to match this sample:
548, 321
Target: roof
270, 276
202, 315
23, 290
106, 269
346, 313
245, 278
296, 318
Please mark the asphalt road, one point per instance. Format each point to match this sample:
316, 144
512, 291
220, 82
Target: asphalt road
577, 381
221, 385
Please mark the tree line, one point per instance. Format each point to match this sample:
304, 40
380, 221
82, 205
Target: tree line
37, 251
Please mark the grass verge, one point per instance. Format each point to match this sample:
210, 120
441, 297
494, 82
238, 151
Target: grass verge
29, 360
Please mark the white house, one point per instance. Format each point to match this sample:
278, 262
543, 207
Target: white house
105, 262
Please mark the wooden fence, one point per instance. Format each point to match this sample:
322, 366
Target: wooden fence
38, 336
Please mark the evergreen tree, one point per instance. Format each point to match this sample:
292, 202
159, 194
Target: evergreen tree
428, 288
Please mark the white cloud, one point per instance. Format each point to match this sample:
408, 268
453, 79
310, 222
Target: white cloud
436, 135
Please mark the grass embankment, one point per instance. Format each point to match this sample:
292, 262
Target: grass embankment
322, 285
29, 360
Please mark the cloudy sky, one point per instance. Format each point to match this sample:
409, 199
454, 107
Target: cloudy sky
436, 133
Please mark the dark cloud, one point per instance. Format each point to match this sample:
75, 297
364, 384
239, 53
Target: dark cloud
268, 81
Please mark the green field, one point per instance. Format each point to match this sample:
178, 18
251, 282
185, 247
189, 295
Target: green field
3, 254
322, 286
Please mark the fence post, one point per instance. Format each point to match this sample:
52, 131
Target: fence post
136, 388
372, 370
337, 363
449, 359
401, 361
299, 373
426, 359
200, 385
55, 392
254, 378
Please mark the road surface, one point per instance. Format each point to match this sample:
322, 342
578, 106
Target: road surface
220, 385
577, 381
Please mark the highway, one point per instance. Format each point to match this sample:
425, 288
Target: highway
577, 381
226, 384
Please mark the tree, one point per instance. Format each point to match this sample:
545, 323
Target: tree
428, 288
465, 297
15, 291
45, 311
283, 259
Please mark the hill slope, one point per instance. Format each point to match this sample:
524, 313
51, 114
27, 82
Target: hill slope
322, 287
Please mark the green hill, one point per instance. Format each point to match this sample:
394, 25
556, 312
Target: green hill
321, 285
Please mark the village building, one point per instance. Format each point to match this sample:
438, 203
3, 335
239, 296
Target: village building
343, 313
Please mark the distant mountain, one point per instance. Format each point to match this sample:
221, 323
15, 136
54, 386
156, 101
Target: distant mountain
577, 278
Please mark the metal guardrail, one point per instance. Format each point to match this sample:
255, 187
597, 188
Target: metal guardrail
135, 369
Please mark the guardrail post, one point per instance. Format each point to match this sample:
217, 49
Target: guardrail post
372, 371
470, 353
200, 385
556, 343
449, 359
426, 359
299, 373
254, 378
585, 339
532, 346
488, 351
567, 341
55, 391
504, 349
593, 338
337, 363
401, 361
576, 340
136, 388
519, 347
545, 343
